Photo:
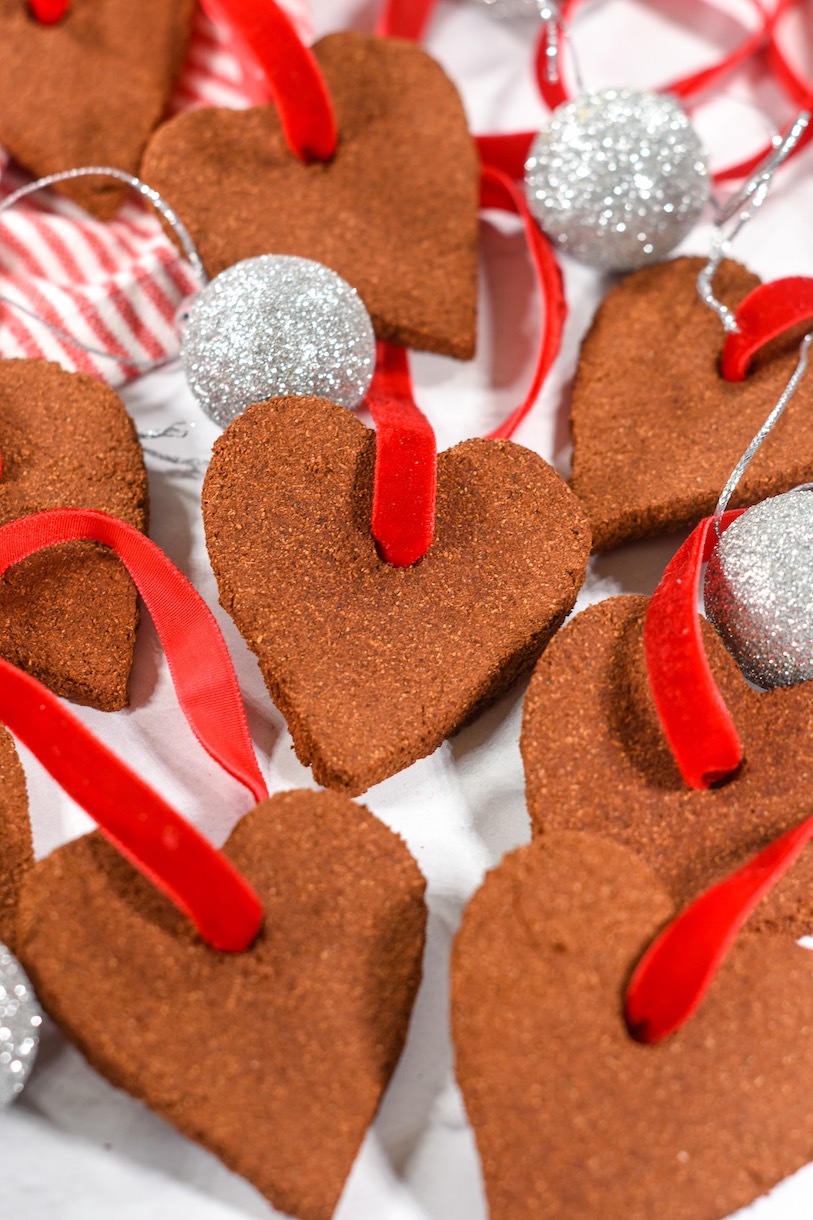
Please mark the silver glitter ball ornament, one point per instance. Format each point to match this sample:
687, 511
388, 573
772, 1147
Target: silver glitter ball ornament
759, 590
618, 178
20, 1021
276, 325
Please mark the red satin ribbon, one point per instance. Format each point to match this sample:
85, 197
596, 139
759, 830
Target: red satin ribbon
677, 970
766, 313
156, 839
49, 11
693, 715
264, 38
405, 462
800, 90
509, 151
556, 92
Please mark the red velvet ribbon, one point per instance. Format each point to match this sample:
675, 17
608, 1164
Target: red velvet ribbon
263, 35
49, 11
678, 968
404, 18
764, 314
405, 480
498, 191
673, 976
156, 839
692, 712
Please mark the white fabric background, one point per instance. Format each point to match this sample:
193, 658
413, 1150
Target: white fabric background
73, 1147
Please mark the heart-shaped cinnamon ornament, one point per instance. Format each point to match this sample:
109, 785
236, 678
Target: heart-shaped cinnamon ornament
373, 665
276, 1058
656, 428
394, 212
16, 847
90, 89
575, 1119
68, 615
596, 759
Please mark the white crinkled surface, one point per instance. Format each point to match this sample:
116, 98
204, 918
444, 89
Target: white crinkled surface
74, 1148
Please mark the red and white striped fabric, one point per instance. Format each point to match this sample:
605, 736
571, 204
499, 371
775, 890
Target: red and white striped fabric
115, 286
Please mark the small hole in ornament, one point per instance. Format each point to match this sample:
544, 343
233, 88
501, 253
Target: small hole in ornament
48, 12
721, 779
406, 567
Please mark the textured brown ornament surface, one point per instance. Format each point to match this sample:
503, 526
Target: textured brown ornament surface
394, 212
68, 615
90, 89
656, 428
575, 1119
274, 1059
16, 847
596, 759
372, 665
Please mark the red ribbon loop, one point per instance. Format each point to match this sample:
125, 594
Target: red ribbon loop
766, 313
498, 191
555, 92
404, 18
207, 691
677, 970
263, 34
49, 11
405, 462
155, 838
693, 715
145, 829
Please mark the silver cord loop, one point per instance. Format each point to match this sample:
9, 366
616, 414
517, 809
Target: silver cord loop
147, 192
555, 27
738, 211
784, 399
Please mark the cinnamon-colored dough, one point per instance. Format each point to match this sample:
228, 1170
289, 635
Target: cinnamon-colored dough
596, 759
68, 615
16, 847
372, 665
274, 1059
573, 1119
656, 428
394, 212
90, 89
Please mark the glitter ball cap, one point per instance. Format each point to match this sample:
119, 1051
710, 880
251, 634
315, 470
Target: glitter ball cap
276, 325
618, 178
20, 1022
759, 590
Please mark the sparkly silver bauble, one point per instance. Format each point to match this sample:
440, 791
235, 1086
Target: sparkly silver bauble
277, 325
20, 1022
759, 590
618, 178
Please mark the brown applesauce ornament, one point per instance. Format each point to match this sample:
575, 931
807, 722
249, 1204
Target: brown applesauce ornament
654, 443
365, 164
300, 943
86, 82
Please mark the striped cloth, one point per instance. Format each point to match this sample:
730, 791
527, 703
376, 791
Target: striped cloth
114, 286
